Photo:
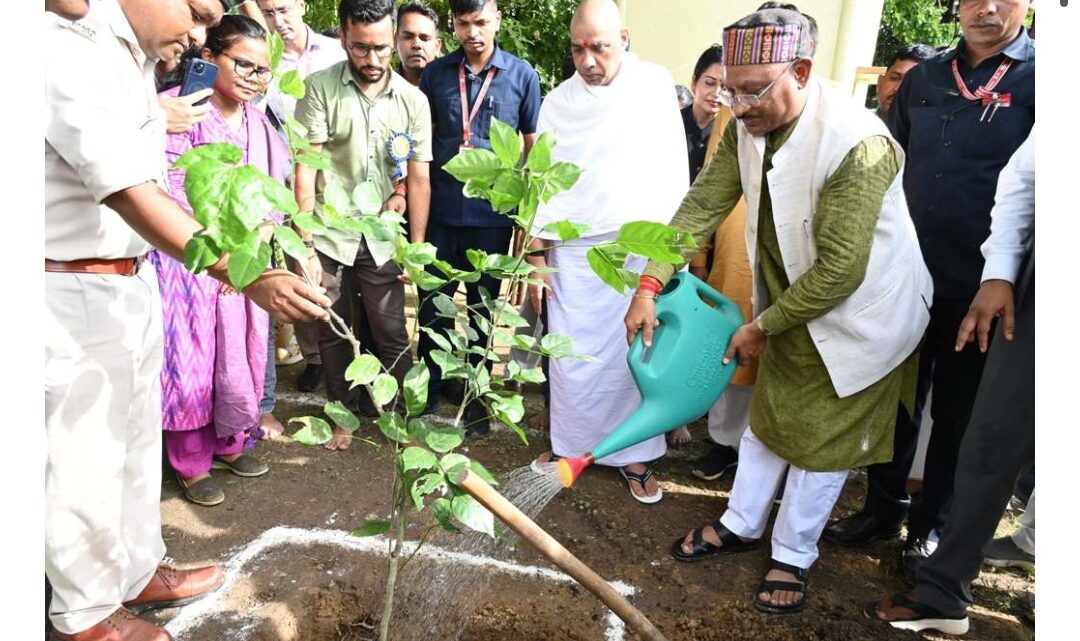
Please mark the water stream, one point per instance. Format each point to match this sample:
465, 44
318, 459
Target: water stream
436, 599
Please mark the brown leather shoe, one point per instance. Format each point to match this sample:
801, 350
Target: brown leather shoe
172, 587
121, 625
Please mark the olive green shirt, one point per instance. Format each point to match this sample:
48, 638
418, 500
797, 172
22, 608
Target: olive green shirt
795, 410
355, 131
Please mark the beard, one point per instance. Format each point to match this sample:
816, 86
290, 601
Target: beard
367, 74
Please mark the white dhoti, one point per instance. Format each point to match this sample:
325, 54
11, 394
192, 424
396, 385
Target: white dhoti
103, 355
808, 500
590, 399
730, 415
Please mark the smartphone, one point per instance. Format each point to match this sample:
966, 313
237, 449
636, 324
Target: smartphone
197, 74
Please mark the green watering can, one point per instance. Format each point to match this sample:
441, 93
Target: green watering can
680, 376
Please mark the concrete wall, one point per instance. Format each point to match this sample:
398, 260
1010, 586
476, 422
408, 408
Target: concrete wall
675, 32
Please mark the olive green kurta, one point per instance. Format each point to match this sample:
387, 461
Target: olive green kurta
795, 409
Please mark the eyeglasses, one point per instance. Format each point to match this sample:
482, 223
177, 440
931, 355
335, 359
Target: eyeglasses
750, 100
246, 69
280, 12
363, 51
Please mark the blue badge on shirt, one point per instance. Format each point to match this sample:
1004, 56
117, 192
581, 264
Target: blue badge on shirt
400, 147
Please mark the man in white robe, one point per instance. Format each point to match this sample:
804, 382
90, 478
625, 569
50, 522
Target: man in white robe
618, 120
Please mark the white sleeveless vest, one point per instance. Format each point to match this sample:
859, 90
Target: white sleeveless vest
868, 335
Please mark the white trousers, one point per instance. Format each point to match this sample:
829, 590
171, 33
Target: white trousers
103, 355
730, 415
808, 500
1024, 537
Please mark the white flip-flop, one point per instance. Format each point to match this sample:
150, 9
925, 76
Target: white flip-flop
643, 479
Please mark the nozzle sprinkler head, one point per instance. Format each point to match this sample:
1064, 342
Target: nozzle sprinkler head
569, 469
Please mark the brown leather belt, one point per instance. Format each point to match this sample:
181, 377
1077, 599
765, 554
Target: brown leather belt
112, 267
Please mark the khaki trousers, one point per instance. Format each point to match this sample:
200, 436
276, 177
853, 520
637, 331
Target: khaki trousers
103, 355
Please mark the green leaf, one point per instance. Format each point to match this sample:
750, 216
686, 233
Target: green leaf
416, 388
561, 177
393, 427
217, 152
451, 365
315, 431
424, 485
424, 280
367, 197
441, 510
440, 340
476, 258
445, 306
531, 375
507, 192
290, 242
524, 341
556, 345
539, 159
334, 194
510, 316
606, 264
291, 84
452, 461
315, 160
363, 370
277, 47
199, 253
417, 458
309, 223
244, 268
341, 415
419, 428
655, 241
455, 274
505, 143
566, 230
480, 164
508, 409
384, 389
419, 253
371, 527
470, 513
443, 441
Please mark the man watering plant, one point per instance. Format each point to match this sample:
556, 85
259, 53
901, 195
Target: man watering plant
840, 294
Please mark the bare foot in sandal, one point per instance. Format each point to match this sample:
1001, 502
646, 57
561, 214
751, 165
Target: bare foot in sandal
643, 484
680, 436
272, 429
783, 599
340, 440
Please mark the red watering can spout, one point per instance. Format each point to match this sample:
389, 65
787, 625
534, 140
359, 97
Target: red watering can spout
569, 468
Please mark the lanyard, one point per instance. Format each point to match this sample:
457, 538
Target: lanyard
466, 125
985, 93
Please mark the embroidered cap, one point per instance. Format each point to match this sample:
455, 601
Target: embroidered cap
768, 37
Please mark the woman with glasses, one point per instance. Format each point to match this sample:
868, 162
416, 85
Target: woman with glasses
216, 339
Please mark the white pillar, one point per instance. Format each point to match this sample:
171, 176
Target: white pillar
856, 39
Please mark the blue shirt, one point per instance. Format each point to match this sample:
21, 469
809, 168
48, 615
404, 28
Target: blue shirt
513, 98
954, 158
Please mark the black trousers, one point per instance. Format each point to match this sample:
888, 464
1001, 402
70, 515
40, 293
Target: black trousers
452, 244
999, 444
954, 377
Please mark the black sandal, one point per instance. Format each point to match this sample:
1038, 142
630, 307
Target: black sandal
802, 574
702, 549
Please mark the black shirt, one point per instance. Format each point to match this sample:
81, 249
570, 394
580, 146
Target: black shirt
954, 155
697, 140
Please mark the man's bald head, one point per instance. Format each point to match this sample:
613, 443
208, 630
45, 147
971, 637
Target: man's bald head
598, 41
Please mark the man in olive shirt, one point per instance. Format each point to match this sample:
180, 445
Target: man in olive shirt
839, 294
352, 110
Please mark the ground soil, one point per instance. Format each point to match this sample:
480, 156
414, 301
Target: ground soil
327, 593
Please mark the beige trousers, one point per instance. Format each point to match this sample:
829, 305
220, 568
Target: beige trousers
103, 355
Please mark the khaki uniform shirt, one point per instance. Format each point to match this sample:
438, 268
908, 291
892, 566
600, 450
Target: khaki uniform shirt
104, 132
355, 130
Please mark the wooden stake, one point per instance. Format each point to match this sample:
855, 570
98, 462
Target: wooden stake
527, 529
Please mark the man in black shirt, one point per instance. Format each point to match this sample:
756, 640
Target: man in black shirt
959, 116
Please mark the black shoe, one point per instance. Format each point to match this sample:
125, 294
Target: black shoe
916, 551
476, 420
718, 460
861, 528
310, 379
364, 406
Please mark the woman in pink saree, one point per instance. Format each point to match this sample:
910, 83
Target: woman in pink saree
216, 339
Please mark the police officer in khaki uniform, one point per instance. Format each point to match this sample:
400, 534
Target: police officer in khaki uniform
104, 208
